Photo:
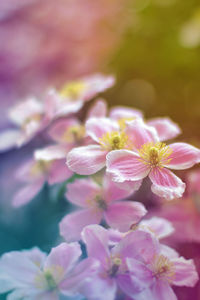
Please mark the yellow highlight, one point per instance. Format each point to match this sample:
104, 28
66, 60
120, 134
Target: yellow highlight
122, 122
115, 141
163, 267
73, 90
74, 134
155, 154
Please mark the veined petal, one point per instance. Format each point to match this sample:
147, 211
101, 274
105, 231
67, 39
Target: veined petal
97, 127
96, 239
165, 128
27, 193
86, 160
64, 256
166, 184
185, 272
122, 215
183, 156
126, 165
81, 191
72, 224
139, 133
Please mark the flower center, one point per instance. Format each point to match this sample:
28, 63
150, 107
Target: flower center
51, 284
116, 263
72, 90
155, 154
114, 141
101, 204
163, 267
40, 167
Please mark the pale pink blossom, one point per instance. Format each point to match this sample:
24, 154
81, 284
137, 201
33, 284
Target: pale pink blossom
99, 202
152, 158
31, 274
34, 173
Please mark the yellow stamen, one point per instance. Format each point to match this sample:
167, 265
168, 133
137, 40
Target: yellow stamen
163, 267
155, 154
73, 89
115, 141
122, 122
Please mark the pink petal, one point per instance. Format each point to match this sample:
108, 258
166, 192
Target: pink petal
125, 165
159, 226
113, 191
98, 110
8, 139
129, 186
185, 272
57, 130
50, 153
184, 156
64, 256
81, 191
124, 214
72, 224
121, 112
68, 107
165, 128
96, 239
166, 184
97, 127
27, 193
58, 172
86, 160
139, 133
139, 245
81, 274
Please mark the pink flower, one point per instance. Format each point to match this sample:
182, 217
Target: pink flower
70, 99
99, 202
34, 173
32, 274
152, 158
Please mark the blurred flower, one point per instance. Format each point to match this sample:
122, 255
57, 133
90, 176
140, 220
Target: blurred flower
99, 202
31, 274
190, 32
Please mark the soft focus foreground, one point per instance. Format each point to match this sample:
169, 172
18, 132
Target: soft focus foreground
99, 192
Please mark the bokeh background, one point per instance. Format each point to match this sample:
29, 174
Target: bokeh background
153, 48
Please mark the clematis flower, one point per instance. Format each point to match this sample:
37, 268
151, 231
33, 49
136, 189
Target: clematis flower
72, 96
152, 158
159, 227
99, 202
34, 173
31, 274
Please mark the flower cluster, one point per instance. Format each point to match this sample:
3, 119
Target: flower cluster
106, 155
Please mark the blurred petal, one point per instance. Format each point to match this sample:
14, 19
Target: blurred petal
125, 165
124, 214
72, 224
58, 172
8, 139
165, 128
58, 130
122, 112
166, 184
81, 191
185, 272
86, 160
50, 153
98, 110
159, 226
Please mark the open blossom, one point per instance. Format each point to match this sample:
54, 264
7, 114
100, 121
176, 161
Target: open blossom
71, 97
138, 265
152, 158
31, 274
99, 202
34, 173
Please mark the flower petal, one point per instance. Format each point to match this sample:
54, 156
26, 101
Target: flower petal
50, 153
58, 130
98, 110
86, 160
139, 133
64, 256
96, 239
122, 112
97, 127
81, 191
58, 172
72, 224
165, 128
184, 156
126, 165
185, 272
122, 215
27, 193
166, 184
8, 139
159, 226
